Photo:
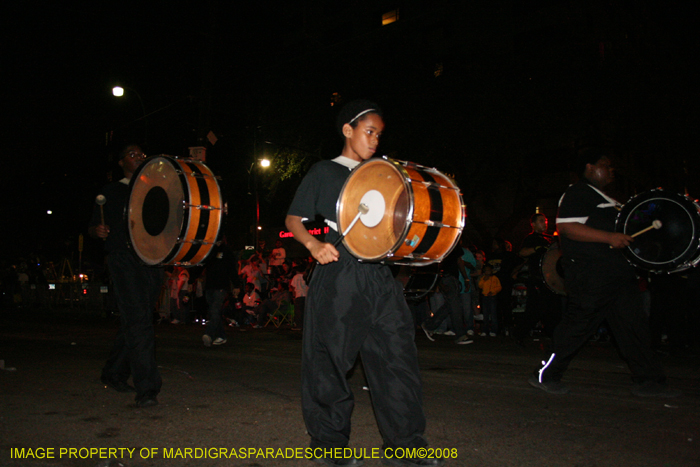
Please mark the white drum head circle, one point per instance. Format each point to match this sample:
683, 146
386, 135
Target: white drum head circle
376, 205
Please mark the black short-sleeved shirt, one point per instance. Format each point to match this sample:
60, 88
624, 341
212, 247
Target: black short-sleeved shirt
220, 268
116, 194
319, 192
587, 205
535, 240
450, 263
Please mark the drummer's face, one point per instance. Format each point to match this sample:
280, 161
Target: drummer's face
131, 161
361, 142
602, 173
540, 224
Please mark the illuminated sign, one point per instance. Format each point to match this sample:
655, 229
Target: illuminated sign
316, 231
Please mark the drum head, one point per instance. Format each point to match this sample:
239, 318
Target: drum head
382, 187
155, 211
674, 245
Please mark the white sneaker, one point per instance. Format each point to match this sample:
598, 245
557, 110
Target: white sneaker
219, 341
483, 334
470, 333
206, 340
448, 333
464, 340
492, 334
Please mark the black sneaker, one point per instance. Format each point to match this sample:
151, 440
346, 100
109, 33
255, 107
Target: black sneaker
347, 462
119, 386
147, 400
412, 461
551, 387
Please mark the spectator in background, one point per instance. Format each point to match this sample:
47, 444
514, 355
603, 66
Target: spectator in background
299, 287
220, 270
490, 287
505, 265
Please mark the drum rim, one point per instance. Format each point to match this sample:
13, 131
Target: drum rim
176, 164
127, 211
686, 259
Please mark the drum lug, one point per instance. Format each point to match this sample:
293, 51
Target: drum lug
202, 206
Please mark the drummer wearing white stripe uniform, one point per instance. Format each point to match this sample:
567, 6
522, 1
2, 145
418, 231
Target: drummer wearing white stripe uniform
600, 283
354, 308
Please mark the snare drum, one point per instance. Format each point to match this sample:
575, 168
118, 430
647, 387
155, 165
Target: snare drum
673, 247
175, 211
415, 214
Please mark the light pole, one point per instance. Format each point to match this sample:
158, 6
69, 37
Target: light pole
118, 91
264, 163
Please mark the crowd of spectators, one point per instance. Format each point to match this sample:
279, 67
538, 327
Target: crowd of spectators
493, 294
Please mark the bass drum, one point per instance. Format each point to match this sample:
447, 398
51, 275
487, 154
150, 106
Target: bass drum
175, 211
415, 214
675, 245
418, 282
552, 269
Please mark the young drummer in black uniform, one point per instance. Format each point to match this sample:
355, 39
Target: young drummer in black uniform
354, 307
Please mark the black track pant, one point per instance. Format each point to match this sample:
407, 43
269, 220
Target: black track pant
357, 308
596, 294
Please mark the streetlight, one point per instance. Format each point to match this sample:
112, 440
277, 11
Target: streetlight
118, 91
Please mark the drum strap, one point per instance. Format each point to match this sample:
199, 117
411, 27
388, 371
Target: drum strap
350, 164
331, 224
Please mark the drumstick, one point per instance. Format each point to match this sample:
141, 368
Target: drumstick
101, 200
363, 209
654, 225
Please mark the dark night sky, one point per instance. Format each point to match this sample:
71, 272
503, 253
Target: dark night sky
521, 87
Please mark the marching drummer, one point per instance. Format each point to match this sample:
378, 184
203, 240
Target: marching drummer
541, 303
135, 286
354, 308
600, 283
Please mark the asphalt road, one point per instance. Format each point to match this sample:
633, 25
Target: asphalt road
245, 396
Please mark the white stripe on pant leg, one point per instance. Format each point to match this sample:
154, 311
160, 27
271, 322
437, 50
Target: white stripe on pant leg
546, 364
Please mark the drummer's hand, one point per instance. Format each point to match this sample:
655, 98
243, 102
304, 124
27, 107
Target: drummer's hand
619, 240
102, 231
325, 253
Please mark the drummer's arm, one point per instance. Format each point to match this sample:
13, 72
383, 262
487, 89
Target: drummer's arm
525, 252
584, 233
322, 252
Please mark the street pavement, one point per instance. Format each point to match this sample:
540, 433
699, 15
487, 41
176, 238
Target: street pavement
244, 398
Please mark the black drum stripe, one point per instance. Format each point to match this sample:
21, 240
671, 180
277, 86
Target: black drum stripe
431, 233
185, 214
203, 214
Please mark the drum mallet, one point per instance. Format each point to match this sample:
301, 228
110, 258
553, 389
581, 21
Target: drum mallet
656, 225
363, 209
100, 200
